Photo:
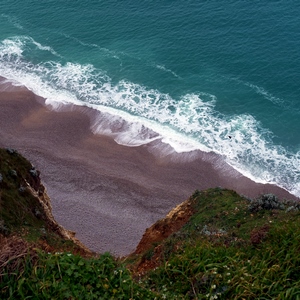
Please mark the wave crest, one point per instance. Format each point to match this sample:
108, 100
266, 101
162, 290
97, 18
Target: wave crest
135, 114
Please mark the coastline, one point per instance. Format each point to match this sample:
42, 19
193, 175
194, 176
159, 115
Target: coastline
105, 192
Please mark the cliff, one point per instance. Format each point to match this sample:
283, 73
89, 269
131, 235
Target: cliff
25, 209
220, 245
215, 245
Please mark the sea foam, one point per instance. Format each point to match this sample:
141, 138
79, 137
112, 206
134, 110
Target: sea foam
134, 114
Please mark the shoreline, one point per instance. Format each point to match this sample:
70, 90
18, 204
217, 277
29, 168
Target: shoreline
105, 192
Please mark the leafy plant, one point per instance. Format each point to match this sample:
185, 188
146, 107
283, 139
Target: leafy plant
68, 276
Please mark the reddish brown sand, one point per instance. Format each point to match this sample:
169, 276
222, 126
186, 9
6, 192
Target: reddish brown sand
107, 193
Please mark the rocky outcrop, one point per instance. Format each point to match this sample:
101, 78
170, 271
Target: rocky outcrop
25, 207
163, 228
42, 197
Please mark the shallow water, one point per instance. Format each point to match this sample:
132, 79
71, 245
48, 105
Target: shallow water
188, 74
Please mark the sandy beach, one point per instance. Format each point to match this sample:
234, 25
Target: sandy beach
105, 192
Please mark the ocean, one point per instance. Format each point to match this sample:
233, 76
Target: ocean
215, 76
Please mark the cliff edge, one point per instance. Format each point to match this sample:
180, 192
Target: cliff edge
215, 245
26, 212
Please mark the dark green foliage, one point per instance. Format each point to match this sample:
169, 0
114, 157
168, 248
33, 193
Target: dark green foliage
230, 252
18, 207
231, 248
65, 276
21, 213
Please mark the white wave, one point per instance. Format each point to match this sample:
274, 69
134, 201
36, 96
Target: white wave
15, 46
10, 48
44, 48
130, 133
135, 115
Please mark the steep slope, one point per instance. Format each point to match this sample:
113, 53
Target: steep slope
215, 245
226, 247
39, 259
25, 208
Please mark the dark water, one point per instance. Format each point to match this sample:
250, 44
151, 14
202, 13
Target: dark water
191, 73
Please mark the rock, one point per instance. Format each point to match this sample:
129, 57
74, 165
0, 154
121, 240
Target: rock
11, 151
163, 228
13, 173
3, 229
37, 213
22, 189
34, 173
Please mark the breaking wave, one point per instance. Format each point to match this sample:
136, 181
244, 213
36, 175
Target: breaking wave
135, 114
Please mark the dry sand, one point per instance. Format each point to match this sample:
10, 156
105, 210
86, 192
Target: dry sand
107, 193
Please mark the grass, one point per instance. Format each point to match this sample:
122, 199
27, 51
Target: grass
227, 251
18, 208
21, 214
230, 248
68, 276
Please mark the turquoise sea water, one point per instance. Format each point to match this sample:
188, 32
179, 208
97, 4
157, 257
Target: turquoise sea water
188, 73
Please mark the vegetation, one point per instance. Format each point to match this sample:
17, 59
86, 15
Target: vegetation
230, 247
21, 211
18, 207
227, 250
67, 276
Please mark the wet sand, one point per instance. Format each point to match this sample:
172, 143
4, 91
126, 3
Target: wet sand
107, 193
